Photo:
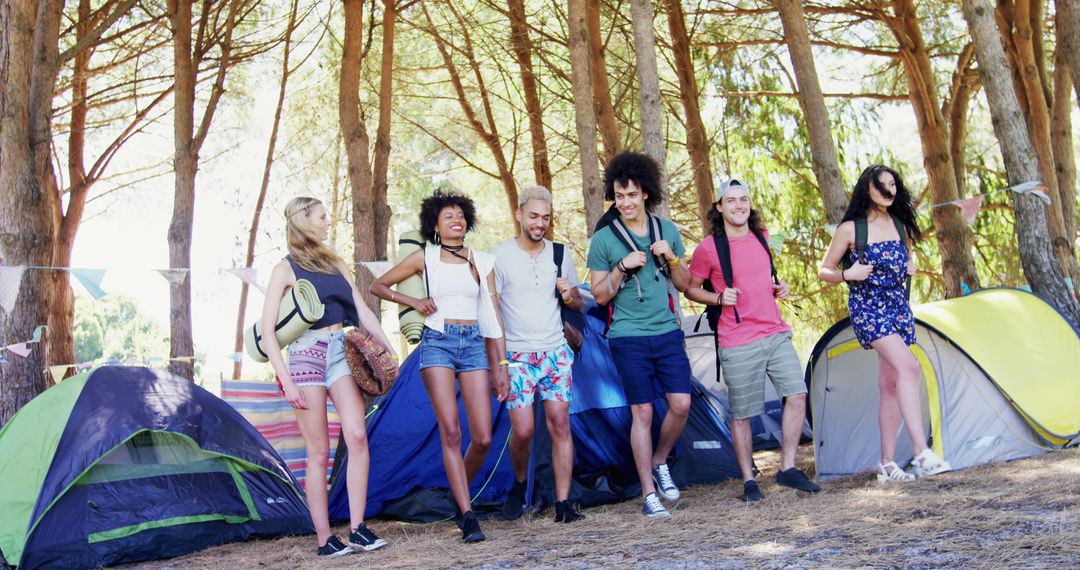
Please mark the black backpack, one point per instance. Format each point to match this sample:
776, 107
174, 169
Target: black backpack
571, 332
723, 253
656, 233
861, 232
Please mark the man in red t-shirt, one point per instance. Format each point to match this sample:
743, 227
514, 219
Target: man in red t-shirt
753, 339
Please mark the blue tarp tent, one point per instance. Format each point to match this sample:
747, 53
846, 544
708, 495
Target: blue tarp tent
408, 482
124, 464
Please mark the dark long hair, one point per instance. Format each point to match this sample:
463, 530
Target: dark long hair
901, 207
638, 167
434, 204
716, 219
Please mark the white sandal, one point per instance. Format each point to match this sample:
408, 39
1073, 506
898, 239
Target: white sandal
889, 472
928, 463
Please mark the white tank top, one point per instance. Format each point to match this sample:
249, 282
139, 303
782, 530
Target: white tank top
458, 293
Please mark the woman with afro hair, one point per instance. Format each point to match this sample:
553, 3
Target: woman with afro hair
462, 340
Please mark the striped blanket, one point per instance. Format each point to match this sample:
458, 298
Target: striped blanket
263, 404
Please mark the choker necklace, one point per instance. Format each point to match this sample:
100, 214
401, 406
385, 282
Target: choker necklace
453, 248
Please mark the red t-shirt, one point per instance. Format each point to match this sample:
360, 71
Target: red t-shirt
750, 272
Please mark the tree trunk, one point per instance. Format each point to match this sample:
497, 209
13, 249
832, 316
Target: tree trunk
29, 64
186, 144
1036, 256
356, 141
601, 88
522, 46
1033, 93
1067, 33
697, 141
822, 149
953, 235
268, 163
584, 113
382, 132
1062, 141
652, 124
963, 86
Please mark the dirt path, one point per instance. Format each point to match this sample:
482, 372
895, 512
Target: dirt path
1020, 514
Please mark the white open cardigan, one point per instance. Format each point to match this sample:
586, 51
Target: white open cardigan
485, 264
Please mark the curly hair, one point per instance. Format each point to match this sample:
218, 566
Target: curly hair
716, 220
901, 207
630, 166
433, 205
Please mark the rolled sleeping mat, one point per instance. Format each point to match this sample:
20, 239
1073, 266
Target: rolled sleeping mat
411, 322
300, 308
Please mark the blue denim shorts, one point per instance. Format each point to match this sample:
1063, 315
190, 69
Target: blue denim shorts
647, 362
460, 348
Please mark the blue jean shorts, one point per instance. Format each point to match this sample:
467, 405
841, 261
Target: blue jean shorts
460, 348
318, 359
647, 362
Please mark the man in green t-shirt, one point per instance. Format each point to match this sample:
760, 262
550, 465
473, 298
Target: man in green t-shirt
633, 262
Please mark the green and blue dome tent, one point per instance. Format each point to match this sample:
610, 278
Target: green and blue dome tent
123, 464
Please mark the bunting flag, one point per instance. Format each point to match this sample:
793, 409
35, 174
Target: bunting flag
58, 372
776, 242
377, 268
969, 208
1035, 187
173, 276
10, 279
20, 348
248, 275
90, 280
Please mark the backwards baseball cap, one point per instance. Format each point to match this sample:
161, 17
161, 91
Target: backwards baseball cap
731, 184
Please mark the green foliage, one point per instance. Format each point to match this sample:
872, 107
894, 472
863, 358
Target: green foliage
114, 328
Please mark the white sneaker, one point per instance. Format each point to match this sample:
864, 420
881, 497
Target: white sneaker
665, 485
653, 507
928, 463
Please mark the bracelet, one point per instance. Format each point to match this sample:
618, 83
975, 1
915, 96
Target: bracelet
567, 302
674, 262
504, 362
393, 297
620, 266
719, 298
842, 275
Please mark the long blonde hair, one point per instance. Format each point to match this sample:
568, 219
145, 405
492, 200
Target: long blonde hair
305, 247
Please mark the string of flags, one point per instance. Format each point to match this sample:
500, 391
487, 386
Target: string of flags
59, 370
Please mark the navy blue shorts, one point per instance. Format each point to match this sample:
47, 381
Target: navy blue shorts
645, 362
459, 348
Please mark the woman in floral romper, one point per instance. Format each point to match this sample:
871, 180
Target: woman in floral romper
880, 314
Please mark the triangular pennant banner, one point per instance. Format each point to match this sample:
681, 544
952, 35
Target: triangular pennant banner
173, 276
248, 275
91, 280
20, 348
58, 371
377, 268
776, 242
1035, 187
10, 278
969, 208
36, 337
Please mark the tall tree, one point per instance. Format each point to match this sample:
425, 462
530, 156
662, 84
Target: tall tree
697, 140
522, 46
601, 87
187, 62
268, 163
584, 113
652, 123
812, 101
953, 235
1061, 137
357, 148
1036, 256
965, 81
29, 64
382, 131
1067, 31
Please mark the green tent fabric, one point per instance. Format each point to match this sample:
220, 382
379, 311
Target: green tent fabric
21, 444
1041, 346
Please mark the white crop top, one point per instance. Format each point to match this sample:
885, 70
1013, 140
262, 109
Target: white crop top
458, 293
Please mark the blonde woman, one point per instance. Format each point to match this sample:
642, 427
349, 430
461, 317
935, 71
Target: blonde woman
316, 368
462, 344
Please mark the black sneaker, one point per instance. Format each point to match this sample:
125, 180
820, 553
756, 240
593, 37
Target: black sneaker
470, 528
751, 492
566, 513
363, 539
333, 547
796, 480
454, 507
513, 505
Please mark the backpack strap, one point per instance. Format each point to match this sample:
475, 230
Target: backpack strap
860, 239
723, 254
558, 250
656, 233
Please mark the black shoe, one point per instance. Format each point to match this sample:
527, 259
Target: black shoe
566, 513
363, 539
470, 528
796, 480
334, 547
513, 505
454, 507
751, 492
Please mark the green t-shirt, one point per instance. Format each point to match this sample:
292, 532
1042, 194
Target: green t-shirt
652, 316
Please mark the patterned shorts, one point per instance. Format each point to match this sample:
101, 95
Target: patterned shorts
548, 373
318, 359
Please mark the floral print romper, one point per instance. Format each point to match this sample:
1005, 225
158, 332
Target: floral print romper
879, 305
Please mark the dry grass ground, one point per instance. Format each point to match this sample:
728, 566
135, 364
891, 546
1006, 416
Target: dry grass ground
1020, 514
